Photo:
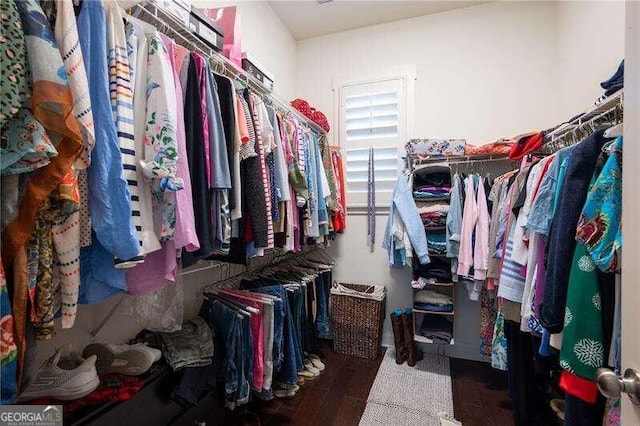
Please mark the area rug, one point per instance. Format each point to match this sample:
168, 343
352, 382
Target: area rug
403, 395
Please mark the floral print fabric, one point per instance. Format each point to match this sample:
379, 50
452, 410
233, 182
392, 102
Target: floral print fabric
599, 227
582, 342
14, 90
499, 346
8, 349
161, 147
25, 145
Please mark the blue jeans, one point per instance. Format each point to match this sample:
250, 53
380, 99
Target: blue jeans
296, 328
228, 326
323, 289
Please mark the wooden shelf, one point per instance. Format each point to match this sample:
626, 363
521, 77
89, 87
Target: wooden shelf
420, 311
422, 339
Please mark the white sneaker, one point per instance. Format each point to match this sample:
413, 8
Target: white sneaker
317, 363
64, 376
308, 365
131, 360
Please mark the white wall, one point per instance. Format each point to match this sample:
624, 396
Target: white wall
590, 46
266, 38
492, 70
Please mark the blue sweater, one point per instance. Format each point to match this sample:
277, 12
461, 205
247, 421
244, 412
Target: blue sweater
403, 208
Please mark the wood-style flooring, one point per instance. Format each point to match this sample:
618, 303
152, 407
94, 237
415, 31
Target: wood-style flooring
480, 395
339, 395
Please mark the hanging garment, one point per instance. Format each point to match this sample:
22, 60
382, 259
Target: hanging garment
599, 226
371, 200
185, 235
15, 88
122, 108
474, 236
403, 212
197, 167
138, 66
52, 106
561, 241
9, 354
583, 349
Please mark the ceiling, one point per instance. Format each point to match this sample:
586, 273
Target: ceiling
307, 18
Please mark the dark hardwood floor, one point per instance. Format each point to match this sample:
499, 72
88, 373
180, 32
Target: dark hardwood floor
339, 395
480, 394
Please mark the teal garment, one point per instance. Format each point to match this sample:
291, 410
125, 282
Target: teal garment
599, 227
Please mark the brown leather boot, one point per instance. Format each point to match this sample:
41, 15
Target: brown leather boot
413, 353
398, 338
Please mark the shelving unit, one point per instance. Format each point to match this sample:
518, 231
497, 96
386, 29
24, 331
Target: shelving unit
420, 177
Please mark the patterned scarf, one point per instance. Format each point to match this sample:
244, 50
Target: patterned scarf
371, 200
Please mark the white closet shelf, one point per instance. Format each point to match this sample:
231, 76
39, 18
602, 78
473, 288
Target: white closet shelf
438, 285
422, 339
420, 311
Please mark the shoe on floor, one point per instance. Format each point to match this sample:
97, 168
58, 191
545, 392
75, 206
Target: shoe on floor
64, 376
283, 393
557, 405
285, 386
308, 365
307, 375
317, 363
131, 360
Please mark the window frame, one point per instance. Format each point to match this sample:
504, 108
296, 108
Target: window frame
407, 75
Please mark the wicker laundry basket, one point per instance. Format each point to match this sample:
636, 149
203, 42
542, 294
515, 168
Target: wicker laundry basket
357, 316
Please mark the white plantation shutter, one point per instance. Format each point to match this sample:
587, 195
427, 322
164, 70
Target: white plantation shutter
372, 115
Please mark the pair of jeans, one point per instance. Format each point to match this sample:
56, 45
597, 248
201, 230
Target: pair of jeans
323, 289
296, 329
228, 328
285, 368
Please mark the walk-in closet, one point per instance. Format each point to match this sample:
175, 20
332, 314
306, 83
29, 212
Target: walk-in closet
319, 212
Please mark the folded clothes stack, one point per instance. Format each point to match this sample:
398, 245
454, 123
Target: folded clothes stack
437, 271
434, 219
429, 192
437, 328
432, 207
428, 300
436, 243
190, 347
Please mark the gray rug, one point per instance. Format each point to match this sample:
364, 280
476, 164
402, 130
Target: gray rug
403, 395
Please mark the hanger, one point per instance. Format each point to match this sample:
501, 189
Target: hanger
613, 131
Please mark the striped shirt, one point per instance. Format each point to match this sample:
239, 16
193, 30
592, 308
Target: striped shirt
255, 104
122, 104
66, 34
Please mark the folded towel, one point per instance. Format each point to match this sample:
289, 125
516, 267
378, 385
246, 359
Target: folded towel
430, 296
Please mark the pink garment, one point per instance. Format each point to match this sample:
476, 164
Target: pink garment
185, 235
469, 219
159, 269
481, 246
199, 62
257, 339
474, 218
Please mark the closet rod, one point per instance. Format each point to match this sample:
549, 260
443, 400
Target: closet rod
167, 23
608, 105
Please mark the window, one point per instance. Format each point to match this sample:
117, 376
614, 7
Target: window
373, 114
